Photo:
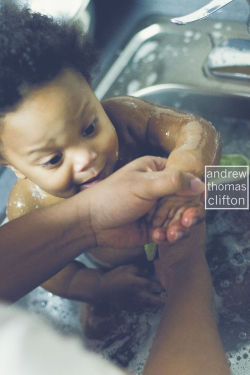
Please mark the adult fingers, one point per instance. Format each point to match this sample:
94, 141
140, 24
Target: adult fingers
170, 181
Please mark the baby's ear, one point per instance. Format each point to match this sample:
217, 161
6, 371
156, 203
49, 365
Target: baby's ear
16, 171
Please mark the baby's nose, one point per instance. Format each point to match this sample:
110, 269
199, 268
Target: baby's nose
83, 160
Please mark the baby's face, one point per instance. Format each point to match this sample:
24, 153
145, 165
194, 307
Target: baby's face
60, 137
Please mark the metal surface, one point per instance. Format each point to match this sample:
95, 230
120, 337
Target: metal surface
162, 53
230, 59
201, 13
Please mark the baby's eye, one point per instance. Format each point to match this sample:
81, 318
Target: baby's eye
54, 161
89, 130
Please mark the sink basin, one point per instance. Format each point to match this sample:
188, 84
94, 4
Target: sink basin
229, 113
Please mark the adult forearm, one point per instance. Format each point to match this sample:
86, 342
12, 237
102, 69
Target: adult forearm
36, 246
187, 341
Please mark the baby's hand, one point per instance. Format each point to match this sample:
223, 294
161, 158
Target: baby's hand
124, 287
176, 213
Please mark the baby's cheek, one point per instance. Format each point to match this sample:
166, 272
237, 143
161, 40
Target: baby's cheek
108, 145
59, 186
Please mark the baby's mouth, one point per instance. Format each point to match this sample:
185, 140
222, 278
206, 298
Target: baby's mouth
92, 181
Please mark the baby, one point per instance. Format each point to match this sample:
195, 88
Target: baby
59, 139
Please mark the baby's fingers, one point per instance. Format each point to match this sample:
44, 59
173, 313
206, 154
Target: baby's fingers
150, 299
175, 232
192, 215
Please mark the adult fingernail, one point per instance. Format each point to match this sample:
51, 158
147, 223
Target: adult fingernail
197, 186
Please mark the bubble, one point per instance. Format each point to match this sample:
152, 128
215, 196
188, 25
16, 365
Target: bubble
151, 57
44, 304
216, 34
238, 258
145, 50
188, 33
225, 283
133, 86
239, 279
218, 25
152, 77
197, 36
246, 253
243, 335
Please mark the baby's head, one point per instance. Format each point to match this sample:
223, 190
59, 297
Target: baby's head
53, 130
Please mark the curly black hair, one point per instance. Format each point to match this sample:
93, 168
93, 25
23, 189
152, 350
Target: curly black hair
34, 49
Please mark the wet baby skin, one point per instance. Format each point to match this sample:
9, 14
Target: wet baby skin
61, 140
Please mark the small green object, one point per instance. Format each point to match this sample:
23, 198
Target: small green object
234, 159
150, 250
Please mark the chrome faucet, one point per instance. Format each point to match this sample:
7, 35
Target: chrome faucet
201, 13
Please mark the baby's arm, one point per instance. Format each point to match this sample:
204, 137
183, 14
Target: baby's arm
190, 141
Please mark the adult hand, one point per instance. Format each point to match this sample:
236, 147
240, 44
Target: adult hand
108, 214
128, 194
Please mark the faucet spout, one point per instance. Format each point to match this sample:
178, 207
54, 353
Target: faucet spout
201, 13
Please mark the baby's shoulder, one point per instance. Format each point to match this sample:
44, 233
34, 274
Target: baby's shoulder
25, 197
